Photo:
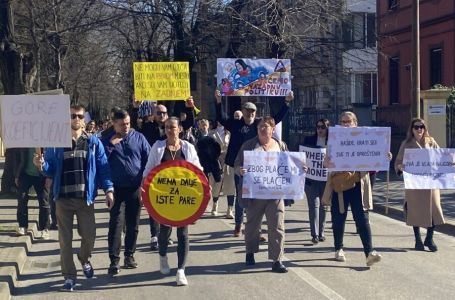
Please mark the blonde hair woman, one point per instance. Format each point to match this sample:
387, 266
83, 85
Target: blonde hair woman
423, 207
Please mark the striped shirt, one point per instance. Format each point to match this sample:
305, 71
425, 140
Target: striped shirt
74, 167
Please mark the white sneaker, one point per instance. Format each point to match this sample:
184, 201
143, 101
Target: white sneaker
373, 257
21, 231
215, 209
45, 235
339, 255
229, 214
181, 278
164, 265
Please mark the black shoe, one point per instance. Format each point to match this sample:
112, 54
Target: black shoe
88, 270
114, 269
249, 260
53, 226
315, 240
322, 238
419, 246
154, 245
278, 267
431, 245
130, 263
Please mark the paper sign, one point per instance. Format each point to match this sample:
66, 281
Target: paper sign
314, 160
30, 121
253, 77
161, 80
358, 148
273, 175
429, 168
176, 193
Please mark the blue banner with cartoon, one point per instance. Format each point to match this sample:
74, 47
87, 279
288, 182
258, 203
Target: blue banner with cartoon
253, 77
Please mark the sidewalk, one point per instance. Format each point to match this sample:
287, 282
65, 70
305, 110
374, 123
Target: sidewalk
396, 200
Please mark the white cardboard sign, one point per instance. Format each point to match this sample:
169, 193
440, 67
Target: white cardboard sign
429, 168
30, 121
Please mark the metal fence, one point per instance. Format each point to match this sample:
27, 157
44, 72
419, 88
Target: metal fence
451, 125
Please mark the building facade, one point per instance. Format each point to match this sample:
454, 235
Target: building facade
437, 59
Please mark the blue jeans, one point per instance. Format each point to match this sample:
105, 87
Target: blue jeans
238, 208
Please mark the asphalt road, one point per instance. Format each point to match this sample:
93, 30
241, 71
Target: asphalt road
216, 269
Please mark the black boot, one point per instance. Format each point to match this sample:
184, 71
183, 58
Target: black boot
429, 240
419, 245
249, 259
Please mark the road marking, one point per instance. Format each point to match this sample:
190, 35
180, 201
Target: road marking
304, 275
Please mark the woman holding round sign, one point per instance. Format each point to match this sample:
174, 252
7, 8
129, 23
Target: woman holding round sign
175, 192
315, 188
422, 207
354, 189
273, 209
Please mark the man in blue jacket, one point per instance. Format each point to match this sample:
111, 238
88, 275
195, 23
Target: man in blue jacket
76, 172
127, 152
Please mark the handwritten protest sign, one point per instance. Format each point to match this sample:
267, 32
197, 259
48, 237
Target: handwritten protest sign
358, 148
161, 80
176, 193
429, 168
30, 121
314, 159
253, 77
273, 175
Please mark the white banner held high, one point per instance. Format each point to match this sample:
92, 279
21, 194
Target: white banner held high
429, 168
315, 158
30, 121
358, 148
273, 175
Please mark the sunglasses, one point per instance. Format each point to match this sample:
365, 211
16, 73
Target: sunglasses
321, 127
159, 113
79, 116
417, 127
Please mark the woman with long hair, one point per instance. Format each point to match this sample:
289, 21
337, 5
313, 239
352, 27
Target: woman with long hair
423, 207
315, 189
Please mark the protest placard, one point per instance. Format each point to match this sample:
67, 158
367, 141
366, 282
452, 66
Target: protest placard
314, 160
358, 148
429, 168
253, 77
176, 193
161, 80
273, 175
30, 121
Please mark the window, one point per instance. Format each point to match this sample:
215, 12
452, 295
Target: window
365, 88
393, 4
359, 31
435, 66
394, 77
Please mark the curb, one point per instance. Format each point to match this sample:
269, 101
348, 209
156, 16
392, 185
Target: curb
14, 256
397, 214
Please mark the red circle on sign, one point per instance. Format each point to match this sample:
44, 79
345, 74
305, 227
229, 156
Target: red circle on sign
154, 213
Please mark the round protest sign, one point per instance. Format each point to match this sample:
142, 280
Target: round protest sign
176, 193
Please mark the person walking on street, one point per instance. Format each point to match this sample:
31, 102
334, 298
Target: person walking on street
358, 197
28, 175
241, 131
155, 131
422, 207
273, 209
173, 148
127, 152
314, 189
76, 172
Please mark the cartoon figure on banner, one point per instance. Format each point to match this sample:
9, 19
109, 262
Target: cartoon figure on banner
244, 74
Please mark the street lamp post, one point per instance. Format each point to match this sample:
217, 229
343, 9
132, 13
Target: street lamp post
415, 101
